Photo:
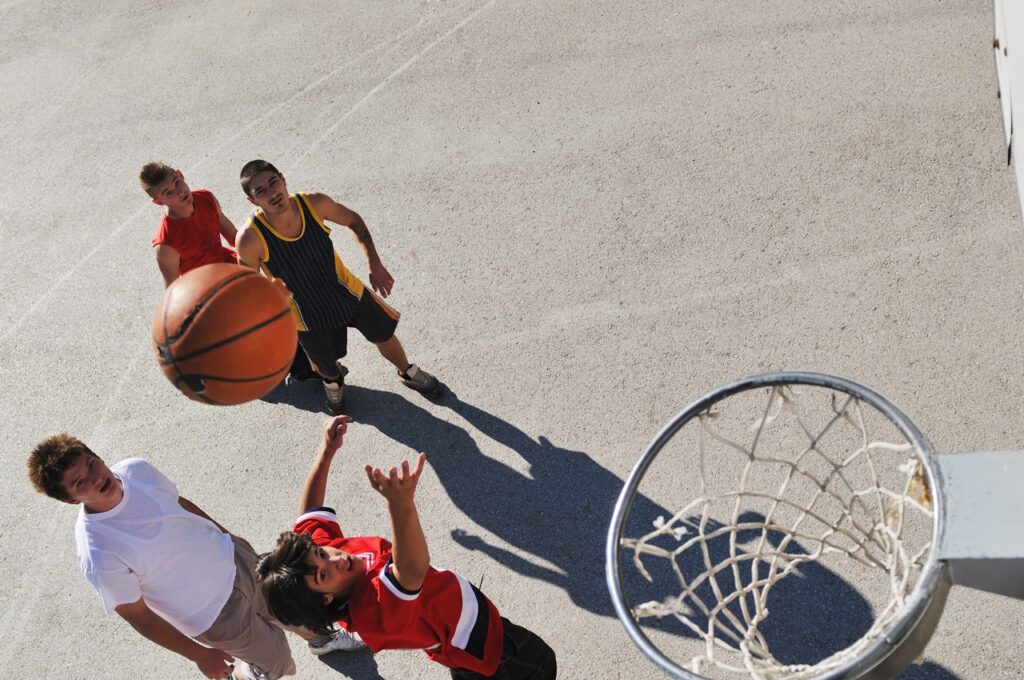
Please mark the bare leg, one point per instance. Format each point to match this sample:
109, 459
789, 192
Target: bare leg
392, 350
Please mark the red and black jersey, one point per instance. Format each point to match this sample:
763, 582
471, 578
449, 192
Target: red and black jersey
448, 618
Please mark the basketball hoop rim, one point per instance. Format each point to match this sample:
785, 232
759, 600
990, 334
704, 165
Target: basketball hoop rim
932, 573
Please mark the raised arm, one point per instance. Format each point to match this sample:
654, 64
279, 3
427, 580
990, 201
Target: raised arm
315, 488
213, 663
329, 209
409, 546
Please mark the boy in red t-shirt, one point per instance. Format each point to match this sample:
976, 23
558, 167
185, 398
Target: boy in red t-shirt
189, 235
389, 593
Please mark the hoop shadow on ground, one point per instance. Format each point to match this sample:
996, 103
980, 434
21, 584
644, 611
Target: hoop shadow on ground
814, 612
559, 514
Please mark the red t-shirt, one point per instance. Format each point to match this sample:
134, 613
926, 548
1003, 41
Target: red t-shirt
196, 238
448, 618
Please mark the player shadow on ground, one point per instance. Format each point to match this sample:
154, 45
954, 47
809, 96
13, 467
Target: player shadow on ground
359, 664
558, 515
305, 395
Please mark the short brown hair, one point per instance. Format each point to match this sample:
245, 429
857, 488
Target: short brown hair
51, 459
153, 175
251, 169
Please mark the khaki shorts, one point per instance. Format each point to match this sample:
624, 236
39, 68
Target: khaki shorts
244, 628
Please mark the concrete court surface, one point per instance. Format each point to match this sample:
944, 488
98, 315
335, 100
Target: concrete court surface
595, 212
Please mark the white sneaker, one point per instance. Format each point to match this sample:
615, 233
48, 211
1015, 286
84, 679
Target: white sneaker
334, 396
334, 392
341, 641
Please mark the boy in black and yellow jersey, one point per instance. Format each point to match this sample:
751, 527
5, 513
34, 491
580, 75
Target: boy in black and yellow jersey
287, 239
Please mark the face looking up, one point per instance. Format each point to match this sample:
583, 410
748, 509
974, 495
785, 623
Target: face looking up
175, 194
90, 482
269, 192
335, 572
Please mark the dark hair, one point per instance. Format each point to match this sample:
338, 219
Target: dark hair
51, 459
281, 576
153, 175
251, 169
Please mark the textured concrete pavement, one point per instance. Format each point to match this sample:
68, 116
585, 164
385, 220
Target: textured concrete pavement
595, 212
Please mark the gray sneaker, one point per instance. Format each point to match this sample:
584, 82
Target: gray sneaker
334, 392
341, 641
417, 379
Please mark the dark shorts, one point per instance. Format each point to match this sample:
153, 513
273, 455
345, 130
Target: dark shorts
524, 656
375, 320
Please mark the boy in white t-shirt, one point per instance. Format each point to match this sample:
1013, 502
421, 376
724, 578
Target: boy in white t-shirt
162, 564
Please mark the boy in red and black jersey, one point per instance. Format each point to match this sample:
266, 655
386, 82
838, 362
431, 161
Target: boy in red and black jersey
388, 592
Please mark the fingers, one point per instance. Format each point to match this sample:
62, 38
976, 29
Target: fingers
396, 478
419, 464
337, 425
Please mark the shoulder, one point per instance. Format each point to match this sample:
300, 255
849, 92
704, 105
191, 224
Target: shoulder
162, 231
388, 580
250, 229
165, 251
249, 237
204, 195
316, 199
133, 466
139, 471
320, 523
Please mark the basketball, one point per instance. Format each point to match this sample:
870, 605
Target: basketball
223, 334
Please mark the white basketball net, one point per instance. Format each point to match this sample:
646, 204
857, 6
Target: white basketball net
813, 502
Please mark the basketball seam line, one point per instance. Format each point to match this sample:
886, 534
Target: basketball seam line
220, 343
198, 306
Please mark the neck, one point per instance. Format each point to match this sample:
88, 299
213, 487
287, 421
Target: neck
181, 213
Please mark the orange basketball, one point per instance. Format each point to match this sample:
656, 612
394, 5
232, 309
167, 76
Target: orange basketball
223, 334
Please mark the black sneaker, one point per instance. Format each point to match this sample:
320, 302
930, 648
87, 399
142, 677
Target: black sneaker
416, 378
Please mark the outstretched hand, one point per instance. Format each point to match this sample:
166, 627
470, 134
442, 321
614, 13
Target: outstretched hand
395, 485
334, 433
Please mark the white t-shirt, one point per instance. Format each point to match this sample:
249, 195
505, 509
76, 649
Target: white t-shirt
148, 546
